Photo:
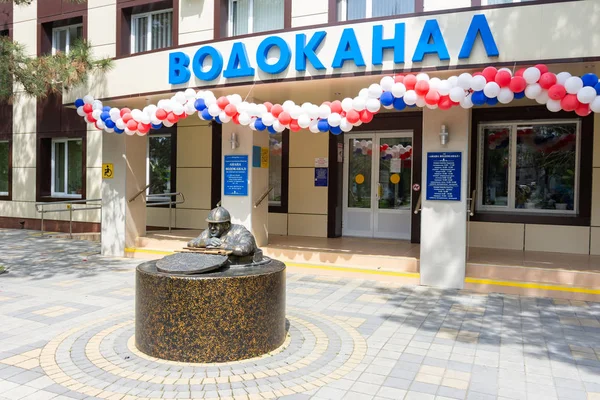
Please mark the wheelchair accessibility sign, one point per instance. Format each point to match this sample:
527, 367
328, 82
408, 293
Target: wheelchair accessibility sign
108, 171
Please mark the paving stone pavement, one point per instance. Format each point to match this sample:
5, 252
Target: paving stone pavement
67, 324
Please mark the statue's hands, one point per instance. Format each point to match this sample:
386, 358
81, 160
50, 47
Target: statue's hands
194, 243
213, 242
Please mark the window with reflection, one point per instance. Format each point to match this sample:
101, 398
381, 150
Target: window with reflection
67, 165
253, 16
4, 167
360, 9
159, 164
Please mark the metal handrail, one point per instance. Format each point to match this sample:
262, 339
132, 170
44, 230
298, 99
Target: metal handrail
263, 197
472, 203
418, 206
135, 196
170, 202
39, 207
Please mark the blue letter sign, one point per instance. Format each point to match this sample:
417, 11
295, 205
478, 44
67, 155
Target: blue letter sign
348, 49
178, 68
479, 25
396, 43
444, 176
431, 42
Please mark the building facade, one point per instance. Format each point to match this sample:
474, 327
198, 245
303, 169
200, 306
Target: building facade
526, 177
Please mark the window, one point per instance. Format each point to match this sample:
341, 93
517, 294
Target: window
4, 167
275, 168
360, 9
493, 2
63, 38
151, 31
67, 165
252, 16
158, 161
529, 167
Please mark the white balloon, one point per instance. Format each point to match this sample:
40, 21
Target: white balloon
224, 117
243, 107
422, 77
87, 99
506, 95
491, 89
80, 111
120, 123
170, 124
467, 102
595, 105
235, 99
304, 121
386, 83
96, 114
313, 112
178, 110
335, 119
543, 97
278, 126
154, 120
553, 105
410, 97
375, 91
532, 75
313, 127
151, 109
296, 112
573, 84
464, 81
190, 94
506, 69
100, 124
345, 125
347, 104
434, 83
261, 109
268, 119
145, 119
444, 88
373, 105
561, 78
168, 106
457, 94
97, 105
364, 93
252, 124
189, 108
398, 90
390, 107
431, 106
109, 130
586, 95
478, 83
115, 114
533, 91
421, 101
243, 118
324, 111
180, 97
359, 103
453, 81
129, 131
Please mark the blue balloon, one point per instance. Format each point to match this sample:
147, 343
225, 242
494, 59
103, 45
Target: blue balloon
109, 123
106, 108
105, 115
478, 98
323, 125
157, 126
387, 99
218, 120
205, 114
200, 105
119, 130
79, 103
336, 130
590, 79
258, 124
492, 101
520, 95
399, 104
597, 87
271, 130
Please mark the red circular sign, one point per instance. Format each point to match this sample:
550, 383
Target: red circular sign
416, 187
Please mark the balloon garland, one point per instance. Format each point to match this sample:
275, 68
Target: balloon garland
490, 86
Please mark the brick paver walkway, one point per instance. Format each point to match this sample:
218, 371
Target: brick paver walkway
66, 331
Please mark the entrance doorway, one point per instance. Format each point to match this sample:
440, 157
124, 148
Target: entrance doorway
378, 169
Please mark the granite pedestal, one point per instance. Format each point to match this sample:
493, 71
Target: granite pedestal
233, 313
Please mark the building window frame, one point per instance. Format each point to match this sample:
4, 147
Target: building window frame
135, 18
7, 195
53, 192
486, 2
231, 19
341, 17
56, 31
171, 172
512, 167
282, 208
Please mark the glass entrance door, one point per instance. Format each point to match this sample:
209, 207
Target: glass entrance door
377, 185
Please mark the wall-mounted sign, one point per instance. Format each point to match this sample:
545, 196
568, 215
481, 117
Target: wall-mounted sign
321, 177
108, 171
321, 162
276, 54
264, 157
256, 156
444, 176
236, 175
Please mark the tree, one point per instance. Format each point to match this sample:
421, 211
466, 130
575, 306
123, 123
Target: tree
39, 76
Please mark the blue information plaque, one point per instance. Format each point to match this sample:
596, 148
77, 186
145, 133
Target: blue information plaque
444, 176
321, 177
236, 175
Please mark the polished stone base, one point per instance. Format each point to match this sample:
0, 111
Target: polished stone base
231, 314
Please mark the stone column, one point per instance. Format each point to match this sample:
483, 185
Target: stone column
123, 221
242, 207
444, 223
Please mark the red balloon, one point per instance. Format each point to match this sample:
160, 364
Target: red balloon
143, 128
542, 67
422, 88
369, 152
336, 107
445, 103
276, 110
132, 125
235, 119
366, 116
503, 78
583, 110
569, 102
294, 125
353, 116
87, 108
547, 80
385, 147
490, 74
284, 117
520, 72
182, 116
161, 114
126, 117
96, 125
222, 102
230, 110
90, 118
557, 92
410, 81
517, 84
399, 78
269, 106
125, 111
432, 97
172, 118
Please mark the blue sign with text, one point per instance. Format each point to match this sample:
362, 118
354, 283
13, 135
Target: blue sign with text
444, 176
321, 177
236, 175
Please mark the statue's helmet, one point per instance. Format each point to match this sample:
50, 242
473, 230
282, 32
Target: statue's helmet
218, 215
